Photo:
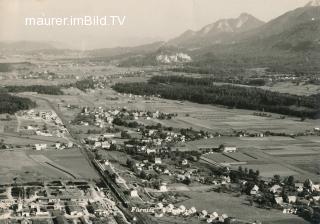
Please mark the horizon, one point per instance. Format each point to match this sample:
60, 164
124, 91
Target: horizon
141, 26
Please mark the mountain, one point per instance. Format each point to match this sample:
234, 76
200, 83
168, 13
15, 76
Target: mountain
290, 42
29, 46
217, 33
313, 3
124, 51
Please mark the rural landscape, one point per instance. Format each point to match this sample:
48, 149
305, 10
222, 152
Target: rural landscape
217, 125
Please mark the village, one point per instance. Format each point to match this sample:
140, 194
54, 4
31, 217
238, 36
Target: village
145, 162
56, 202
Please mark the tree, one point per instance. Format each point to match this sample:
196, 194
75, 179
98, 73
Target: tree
290, 181
276, 179
187, 181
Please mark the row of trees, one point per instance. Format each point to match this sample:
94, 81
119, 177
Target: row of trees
201, 90
50, 90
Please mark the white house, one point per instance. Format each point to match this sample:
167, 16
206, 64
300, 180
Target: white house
228, 149
39, 147
157, 160
163, 187
134, 193
254, 190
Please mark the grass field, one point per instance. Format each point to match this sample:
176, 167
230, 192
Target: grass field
288, 87
18, 164
30, 165
234, 206
73, 160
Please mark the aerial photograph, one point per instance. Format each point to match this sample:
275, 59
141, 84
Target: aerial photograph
160, 111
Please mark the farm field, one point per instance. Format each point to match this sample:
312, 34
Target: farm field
270, 155
72, 160
288, 87
28, 164
234, 206
28, 140
17, 164
206, 117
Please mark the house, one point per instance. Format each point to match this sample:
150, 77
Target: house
316, 187
58, 145
40, 147
292, 199
159, 205
254, 190
157, 160
73, 209
98, 209
134, 193
182, 208
316, 198
105, 145
149, 151
184, 162
229, 149
275, 189
97, 144
203, 213
279, 200
108, 135
163, 187
298, 187
214, 215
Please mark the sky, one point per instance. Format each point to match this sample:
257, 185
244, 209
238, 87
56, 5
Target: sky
145, 21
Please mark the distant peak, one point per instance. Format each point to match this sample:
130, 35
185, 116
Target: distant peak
313, 3
245, 15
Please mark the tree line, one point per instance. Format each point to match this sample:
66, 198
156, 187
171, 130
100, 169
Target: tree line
202, 90
50, 90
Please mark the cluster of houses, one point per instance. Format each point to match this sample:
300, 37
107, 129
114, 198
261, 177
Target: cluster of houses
57, 145
160, 210
101, 141
101, 117
300, 195
48, 117
45, 200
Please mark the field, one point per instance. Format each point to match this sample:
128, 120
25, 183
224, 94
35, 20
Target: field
288, 87
17, 164
270, 155
234, 206
72, 160
28, 165
206, 117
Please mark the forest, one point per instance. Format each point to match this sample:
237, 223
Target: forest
202, 90
11, 104
50, 90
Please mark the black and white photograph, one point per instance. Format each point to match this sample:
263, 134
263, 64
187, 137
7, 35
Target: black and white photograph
160, 112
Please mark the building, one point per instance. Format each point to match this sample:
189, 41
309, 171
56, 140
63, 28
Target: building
149, 151
134, 193
39, 147
254, 190
157, 160
228, 149
184, 162
73, 209
163, 187
98, 209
